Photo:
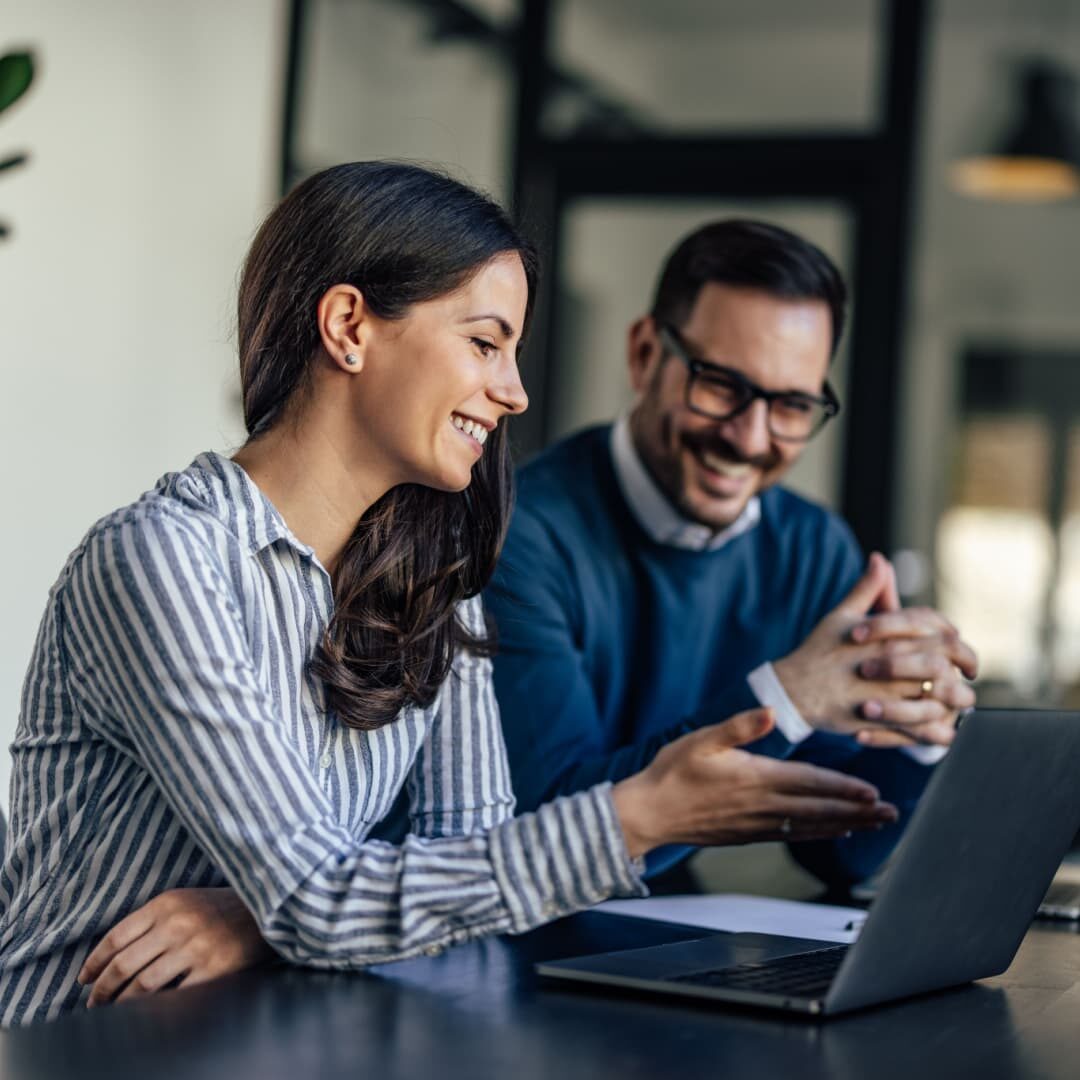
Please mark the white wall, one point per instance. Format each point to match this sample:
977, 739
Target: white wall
152, 129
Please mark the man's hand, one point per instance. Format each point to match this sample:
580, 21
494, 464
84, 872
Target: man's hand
891, 677
924, 663
701, 789
190, 935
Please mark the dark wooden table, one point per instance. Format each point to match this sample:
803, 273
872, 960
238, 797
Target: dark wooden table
478, 1011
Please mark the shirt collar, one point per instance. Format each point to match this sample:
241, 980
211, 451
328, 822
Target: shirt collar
653, 511
236, 500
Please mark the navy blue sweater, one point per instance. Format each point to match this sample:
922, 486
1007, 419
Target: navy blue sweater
611, 644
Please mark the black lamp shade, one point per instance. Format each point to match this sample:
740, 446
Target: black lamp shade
1048, 125
1040, 157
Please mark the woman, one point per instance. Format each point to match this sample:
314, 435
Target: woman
237, 674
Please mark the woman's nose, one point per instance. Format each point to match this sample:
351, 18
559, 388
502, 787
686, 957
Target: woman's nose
508, 390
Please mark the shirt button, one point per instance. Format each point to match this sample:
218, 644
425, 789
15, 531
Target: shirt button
326, 760
433, 950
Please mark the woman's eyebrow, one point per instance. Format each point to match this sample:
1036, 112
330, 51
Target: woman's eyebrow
504, 326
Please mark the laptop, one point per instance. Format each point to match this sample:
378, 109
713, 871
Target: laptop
972, 868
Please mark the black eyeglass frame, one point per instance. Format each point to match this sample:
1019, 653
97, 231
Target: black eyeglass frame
673, 344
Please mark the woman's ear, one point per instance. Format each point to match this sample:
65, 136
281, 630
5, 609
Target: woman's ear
344, 321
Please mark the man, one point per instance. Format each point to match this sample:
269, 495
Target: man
656, 580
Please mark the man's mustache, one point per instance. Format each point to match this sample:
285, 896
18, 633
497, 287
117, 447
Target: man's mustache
716, 444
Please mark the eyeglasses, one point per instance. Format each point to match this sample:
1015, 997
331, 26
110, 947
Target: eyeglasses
721, 393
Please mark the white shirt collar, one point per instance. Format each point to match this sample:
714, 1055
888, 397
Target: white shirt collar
653, 511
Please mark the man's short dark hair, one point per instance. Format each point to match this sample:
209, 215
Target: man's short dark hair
751, 255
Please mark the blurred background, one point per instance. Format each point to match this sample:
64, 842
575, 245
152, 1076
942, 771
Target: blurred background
930, 146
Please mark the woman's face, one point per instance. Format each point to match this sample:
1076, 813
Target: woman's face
437, 382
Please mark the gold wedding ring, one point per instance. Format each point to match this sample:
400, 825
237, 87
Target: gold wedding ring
926, 688
785, 827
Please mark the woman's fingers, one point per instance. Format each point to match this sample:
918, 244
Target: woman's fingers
199, 934
156, 975
119, 937
804, 818
125, 966
801, 778
818, 802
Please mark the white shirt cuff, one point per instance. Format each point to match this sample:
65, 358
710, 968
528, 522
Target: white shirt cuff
769, 690
926, 755
771, 693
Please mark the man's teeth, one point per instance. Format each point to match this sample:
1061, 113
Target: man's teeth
722, 465
470, 427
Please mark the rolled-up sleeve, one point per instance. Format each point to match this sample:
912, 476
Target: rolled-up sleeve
158, 653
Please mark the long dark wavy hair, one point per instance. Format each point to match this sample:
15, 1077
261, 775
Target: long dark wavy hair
401, 235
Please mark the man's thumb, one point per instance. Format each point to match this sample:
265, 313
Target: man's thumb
875, 589
744, 727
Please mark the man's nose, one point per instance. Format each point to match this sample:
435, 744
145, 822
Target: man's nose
749, 431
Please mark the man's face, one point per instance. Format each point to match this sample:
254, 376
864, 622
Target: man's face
710, 469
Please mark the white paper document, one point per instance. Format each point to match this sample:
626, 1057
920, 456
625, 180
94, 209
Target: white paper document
740, 913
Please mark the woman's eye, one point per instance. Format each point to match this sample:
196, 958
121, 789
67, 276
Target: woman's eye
486, 348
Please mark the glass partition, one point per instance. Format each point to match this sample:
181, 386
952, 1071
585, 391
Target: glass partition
624, 66
397, 79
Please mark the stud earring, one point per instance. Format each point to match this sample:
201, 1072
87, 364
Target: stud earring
352, 359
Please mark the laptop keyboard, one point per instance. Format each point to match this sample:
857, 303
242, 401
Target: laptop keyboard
804, 975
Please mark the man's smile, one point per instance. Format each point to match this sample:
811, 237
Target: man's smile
720, 476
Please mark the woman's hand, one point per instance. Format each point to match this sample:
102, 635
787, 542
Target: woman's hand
183, 936
701, 789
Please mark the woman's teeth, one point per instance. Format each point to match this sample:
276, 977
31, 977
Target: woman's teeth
722, 465
470, 427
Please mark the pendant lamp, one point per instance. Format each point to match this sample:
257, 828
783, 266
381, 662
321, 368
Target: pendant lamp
1039, 158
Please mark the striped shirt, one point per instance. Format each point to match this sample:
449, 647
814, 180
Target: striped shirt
172, 735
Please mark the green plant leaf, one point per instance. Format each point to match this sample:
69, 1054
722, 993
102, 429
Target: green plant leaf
16, 74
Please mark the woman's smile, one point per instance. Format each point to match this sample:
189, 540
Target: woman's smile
476, 431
